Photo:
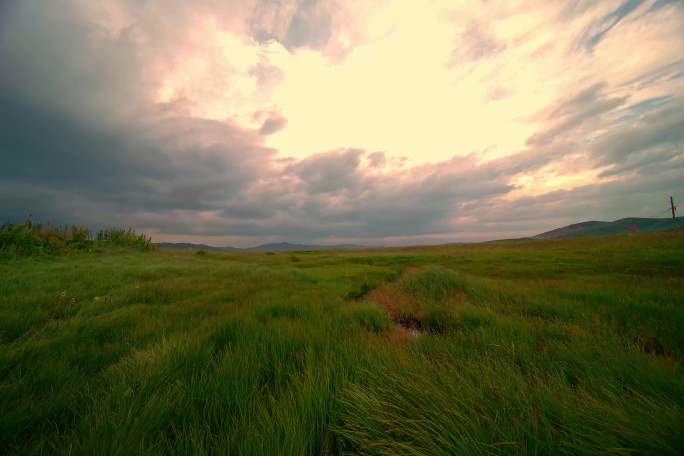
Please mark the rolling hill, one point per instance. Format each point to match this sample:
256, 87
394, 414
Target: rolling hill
622, 226
274, 246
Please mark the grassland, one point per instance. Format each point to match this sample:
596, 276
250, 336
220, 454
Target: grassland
539, 347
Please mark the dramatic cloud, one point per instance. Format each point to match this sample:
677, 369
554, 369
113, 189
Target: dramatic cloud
332, 121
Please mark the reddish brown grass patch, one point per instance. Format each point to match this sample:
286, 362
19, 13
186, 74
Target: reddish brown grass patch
392, 299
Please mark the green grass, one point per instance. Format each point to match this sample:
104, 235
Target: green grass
525, 347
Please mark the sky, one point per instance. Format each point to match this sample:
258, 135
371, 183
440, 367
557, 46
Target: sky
340, 121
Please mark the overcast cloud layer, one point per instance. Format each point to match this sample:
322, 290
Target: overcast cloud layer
325, 121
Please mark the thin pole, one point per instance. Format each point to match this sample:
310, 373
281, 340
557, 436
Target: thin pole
673, 208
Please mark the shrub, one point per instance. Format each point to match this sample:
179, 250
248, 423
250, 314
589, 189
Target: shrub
126, 238
29, 239
80, 234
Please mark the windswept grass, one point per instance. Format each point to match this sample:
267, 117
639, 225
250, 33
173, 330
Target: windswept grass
548, 347
368, 316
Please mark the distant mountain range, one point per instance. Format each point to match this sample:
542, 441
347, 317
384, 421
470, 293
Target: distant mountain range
271, 247
622, 226
590, 228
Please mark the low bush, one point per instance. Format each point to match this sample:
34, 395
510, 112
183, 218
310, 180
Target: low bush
125, 238
29, 239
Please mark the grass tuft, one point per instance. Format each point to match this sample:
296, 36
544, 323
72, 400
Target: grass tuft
433, 284
368, 316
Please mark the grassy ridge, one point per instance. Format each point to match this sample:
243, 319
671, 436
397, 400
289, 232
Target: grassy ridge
548, 347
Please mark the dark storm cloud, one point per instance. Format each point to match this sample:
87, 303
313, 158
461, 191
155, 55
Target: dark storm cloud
150, 169
328, 172
310, 26
590, 103
611, 20
53, 59
272, 125
350, 198
295, 23
332, 193
80, 143
597, 30
658, 4
655, 137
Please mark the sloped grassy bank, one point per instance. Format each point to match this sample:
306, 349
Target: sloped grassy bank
553, 347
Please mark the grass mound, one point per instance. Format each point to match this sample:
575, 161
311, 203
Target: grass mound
440, 320
433, 284
428, 299
368, 316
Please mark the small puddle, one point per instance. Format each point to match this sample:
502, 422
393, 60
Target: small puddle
411, 326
